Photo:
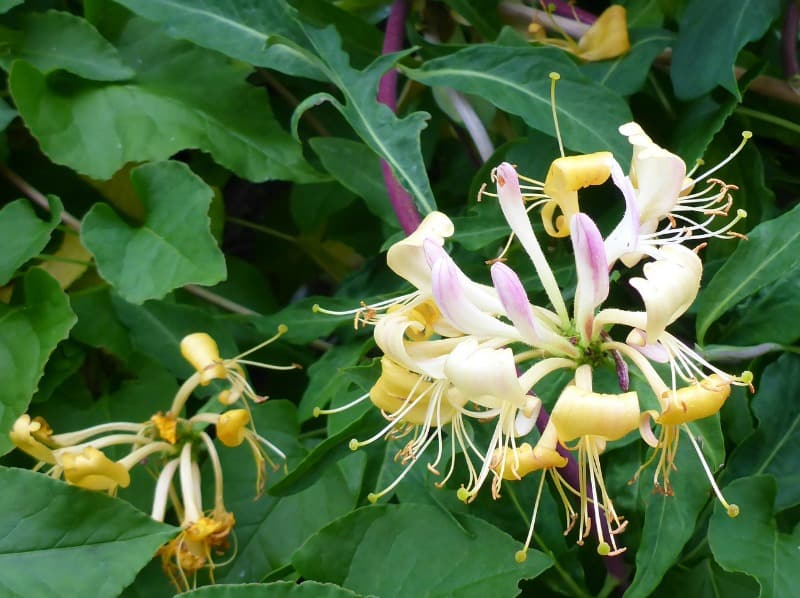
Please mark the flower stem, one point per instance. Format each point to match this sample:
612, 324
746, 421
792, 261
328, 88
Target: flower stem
401, 200
791, 68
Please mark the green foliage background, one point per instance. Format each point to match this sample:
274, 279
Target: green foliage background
220, 162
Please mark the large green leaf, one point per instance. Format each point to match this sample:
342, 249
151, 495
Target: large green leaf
6, 5
416, 550
771, 252
242, 29
516, 79
394, 139
278, 589
181, 97
751, 542
59, 40
712, 32
706, 580
774, 446
172, 248
57, 540
627, 74
31, 326
24, 234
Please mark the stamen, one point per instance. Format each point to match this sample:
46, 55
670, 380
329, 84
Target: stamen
732, 509
553, 78
317, 411
282, 329
522, 555
745, 136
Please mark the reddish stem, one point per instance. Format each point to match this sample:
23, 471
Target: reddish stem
401, 200
789, 41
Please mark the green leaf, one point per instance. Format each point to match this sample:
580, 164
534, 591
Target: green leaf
7, 114
278, 589
396, 140
516, 80
416, 550
172, 248
31, 326
6, 5
304, 322
669, 521
481, 14
98, 325
338, 157
64, 541
751, 542
712, 32
59, 40
269, 529
24, 234
772, 251
196, 99
242, 29
706, 580
774, 446
626, 74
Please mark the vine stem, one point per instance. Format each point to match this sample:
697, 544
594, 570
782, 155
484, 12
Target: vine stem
401, 201
791, 68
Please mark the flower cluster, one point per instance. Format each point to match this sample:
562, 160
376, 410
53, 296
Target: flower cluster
169, 444
457, 351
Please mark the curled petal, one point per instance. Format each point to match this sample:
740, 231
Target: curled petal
488, 376
625, 237
392, 337
92, 470
406, 258
580, 412
201, 351
23, 435
607, 37
696, 401
231, 426
592, 269
564, 178
669, 287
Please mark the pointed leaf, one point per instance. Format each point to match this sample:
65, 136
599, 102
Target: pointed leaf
31, 326
24, 234
65, 541
516, 79
172, 248
195, 99
59, 40
396, 140
751, 542
771, 252
712, 32
416, 550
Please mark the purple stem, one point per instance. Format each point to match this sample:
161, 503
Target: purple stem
402, 202
566, 9
615, 565
789, 41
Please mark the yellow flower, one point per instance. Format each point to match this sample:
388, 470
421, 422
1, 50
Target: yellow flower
92, 470
231, 427
606, 38
24, 437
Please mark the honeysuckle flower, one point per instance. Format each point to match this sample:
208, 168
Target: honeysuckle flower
92, 470
661, 189
201, 351
593, 419
23, 435
606, 38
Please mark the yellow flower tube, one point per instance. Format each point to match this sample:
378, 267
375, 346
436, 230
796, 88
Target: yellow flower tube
564, 178
580, 412
92, 470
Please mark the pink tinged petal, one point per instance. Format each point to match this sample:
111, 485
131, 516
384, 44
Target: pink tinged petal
592, 268
515, 301
654, 352
450, 296
625, 237
482, 296
513, 207
406, 257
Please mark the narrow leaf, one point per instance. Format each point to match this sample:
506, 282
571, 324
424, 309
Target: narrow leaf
772, 251
516, 79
